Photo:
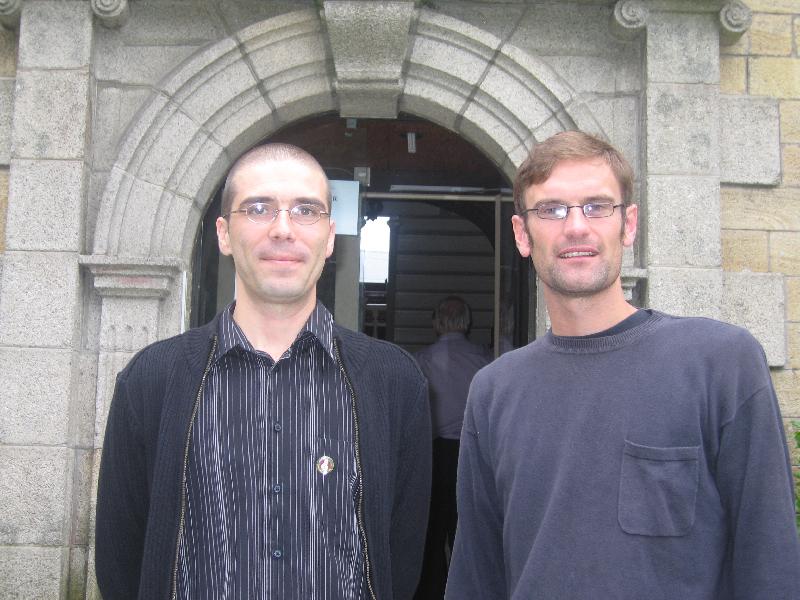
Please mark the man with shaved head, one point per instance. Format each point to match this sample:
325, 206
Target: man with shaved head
269, 454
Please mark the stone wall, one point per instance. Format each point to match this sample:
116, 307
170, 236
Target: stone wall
761, 225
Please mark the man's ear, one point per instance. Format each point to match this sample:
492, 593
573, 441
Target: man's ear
630, 225
223, 239
521, 236
331, 239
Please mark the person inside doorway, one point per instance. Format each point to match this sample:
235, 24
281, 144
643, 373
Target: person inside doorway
270, 453
449, 365
627, 453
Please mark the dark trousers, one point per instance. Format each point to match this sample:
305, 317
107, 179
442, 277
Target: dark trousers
441, 522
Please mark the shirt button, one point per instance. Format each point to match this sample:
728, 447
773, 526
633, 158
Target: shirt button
277, 488
277, 427
277, 554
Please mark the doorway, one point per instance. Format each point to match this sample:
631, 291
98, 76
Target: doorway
447, 212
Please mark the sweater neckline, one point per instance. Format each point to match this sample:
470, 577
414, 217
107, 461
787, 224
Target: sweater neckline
592, 345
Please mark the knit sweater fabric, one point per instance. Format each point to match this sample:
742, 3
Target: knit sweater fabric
139, 490
648, 464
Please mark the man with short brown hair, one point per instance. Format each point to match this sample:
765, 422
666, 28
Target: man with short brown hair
627, 453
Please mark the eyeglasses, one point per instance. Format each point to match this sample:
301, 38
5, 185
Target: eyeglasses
554, 211
267, 212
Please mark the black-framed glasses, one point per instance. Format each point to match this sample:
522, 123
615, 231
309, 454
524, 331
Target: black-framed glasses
267, 212
555, 211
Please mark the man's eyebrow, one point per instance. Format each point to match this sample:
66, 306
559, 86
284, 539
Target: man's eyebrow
271, 200
600, 198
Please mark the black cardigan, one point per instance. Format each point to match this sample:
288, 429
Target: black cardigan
139, 490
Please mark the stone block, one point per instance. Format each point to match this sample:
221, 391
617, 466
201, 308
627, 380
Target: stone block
790, 121
138, 223
750, 140
557, 28
165, 147
41, 294
114, 109
241, 124
491, 128
200, 171
789, 7
135, 65
34, 488
56, 34
284, 43
210, 79
791, 164
462, 62
778, 77
744, 250
499, 19
76, 583
35, 396
794, 449
685, 292
682, 129
593, 74
81, 505
50, 114
32, 573
755, 301
46, 205
793, 298
787, 388
733, 74
793, 335
771, 35
171, 23
682, 48
6, 110
692, 238
784, 252
525, 100
437, 96
8, 52
772, 209
238, 14
3, 209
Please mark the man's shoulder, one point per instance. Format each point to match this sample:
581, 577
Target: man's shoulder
704, 332
365, 349
161, 355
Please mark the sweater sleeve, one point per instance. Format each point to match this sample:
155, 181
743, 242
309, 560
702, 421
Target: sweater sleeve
121, 501
410, 510
477, 568
756, 488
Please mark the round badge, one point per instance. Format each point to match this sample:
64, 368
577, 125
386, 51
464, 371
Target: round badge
325, 464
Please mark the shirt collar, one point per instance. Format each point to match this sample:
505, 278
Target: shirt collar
319, 326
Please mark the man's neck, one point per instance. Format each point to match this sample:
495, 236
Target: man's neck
574, 316
272, 328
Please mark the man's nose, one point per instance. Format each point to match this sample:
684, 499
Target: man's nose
281, 226
576, 221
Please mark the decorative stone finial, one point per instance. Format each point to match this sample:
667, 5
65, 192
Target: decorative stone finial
734, 19
112, 13
630, 18
10, 11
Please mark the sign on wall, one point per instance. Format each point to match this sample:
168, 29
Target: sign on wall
344, 198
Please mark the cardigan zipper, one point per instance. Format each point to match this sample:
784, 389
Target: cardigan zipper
181, 522
360, 502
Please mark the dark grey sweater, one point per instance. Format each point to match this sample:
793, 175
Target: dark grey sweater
648, 464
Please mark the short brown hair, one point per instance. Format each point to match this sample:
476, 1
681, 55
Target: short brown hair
570, 145
267, 153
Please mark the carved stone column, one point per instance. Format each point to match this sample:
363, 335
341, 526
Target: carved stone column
131, 306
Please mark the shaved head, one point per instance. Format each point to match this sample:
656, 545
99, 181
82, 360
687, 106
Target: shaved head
268, 153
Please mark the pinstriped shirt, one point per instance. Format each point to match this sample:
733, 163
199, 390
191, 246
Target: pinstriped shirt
271, 478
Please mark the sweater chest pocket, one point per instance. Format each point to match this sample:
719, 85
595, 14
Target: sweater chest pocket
658, 489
